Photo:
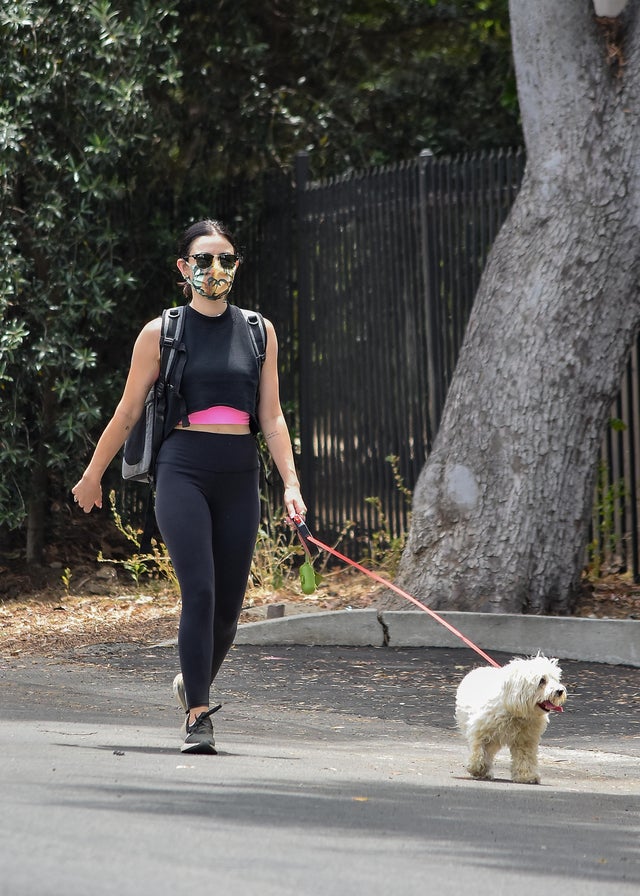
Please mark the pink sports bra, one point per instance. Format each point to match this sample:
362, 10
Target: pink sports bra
220, 413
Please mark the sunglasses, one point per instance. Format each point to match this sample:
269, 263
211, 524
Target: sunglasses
204, 260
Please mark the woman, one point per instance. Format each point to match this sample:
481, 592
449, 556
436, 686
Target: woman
207, 479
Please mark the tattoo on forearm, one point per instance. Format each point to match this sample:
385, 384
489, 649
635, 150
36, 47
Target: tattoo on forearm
270, 435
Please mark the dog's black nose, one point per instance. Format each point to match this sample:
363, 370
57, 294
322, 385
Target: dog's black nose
560, 692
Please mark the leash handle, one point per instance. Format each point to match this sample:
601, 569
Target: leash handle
307, 539
305, 536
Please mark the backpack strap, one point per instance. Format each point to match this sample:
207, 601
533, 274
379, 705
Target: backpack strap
170, 338
258, 336
172, 354
170, 342
257, 332
171, 331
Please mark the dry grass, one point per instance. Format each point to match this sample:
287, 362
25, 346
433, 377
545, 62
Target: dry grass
51, 620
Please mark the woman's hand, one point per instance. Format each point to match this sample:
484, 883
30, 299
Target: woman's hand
87, 493
293, 502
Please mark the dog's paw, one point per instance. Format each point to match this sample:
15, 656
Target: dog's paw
526, 779
481, 772
524, 770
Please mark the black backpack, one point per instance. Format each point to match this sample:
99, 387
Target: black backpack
164, 405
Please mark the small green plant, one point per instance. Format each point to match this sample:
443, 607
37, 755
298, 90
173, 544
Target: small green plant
602, 548
275, 552
66, 577
138, 565
385, 548
394, 460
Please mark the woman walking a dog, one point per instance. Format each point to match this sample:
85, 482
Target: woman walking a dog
207, 476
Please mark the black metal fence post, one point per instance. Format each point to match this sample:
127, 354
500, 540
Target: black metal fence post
305, 323
436, 388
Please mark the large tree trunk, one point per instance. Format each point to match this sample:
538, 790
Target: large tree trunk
36, 516
501, 509
38, 500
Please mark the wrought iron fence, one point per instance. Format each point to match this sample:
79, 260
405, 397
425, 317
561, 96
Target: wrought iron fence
369, 279
389, 263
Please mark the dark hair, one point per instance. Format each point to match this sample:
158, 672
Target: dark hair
206, 227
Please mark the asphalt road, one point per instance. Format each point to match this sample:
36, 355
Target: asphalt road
339, 772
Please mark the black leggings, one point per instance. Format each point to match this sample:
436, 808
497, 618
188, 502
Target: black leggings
208, 510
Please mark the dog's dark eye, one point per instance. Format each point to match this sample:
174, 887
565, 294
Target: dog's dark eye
543, 681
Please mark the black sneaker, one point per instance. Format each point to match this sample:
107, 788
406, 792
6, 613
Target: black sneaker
199, 737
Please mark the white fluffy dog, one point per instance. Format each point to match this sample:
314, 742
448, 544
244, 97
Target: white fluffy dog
509, 707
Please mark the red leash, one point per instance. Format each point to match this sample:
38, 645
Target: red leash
306, 537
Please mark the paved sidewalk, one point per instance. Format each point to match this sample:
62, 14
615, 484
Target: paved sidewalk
339, 772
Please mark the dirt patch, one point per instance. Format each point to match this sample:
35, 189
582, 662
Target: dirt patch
107, 608
612, 597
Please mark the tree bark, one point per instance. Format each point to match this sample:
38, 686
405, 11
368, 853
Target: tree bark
502, 506
36, 518
38, 499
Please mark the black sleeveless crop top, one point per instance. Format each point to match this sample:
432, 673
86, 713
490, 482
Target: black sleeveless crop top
221, 367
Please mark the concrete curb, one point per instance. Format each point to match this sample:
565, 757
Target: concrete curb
353, 628
612, 641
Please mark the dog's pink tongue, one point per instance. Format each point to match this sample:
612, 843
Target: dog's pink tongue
551, 707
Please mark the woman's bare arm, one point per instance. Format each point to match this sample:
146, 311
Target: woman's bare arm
274, 427
144, 371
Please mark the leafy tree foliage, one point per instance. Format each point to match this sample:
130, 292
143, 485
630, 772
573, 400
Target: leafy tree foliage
357, 82
119, 121
76, 121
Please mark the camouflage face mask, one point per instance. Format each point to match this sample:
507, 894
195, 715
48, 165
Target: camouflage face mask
214, 282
